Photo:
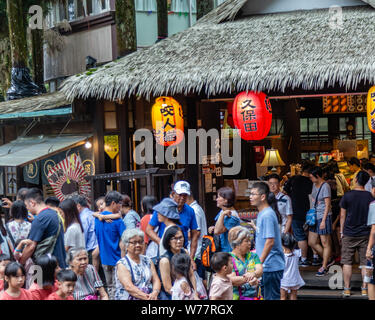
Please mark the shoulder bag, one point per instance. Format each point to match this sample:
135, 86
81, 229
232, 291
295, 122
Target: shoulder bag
47, 245
311, 217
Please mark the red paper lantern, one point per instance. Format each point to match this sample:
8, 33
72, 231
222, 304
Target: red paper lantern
252, 115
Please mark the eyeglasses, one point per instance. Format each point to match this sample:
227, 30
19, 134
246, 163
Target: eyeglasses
178, 239
255, 194
134, 243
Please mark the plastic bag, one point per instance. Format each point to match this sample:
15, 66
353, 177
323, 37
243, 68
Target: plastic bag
201, 290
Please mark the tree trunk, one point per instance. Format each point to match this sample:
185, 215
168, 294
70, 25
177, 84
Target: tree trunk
126, 27
21, 84
162, 6
204, 7
38, 58
17, 33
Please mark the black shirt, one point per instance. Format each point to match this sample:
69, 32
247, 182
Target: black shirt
356, 203
298, 188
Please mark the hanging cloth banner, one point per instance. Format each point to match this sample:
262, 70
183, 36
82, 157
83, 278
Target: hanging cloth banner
67, 178
31, 172
86, 156
111, 146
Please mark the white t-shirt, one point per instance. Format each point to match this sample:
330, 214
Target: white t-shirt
74, 236
371, 214
291, 276
202, 227
368, 185
284, 204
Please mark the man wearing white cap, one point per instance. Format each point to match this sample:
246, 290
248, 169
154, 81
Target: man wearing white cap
188, 221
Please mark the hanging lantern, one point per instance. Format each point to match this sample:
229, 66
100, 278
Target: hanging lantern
371, 109
252, 115
167, 121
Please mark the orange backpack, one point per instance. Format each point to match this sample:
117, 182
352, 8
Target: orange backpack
210, 245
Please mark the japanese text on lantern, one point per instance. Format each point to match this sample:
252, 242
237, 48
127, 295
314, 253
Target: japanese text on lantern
167, 119
248, 114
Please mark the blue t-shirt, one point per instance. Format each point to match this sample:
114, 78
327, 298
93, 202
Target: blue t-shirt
88, 224
187, 219
46, 224
267, 228
229, 223
109, 235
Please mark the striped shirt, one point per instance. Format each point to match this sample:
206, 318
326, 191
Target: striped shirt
87, 284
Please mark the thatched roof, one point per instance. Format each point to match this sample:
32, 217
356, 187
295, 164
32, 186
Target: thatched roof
261, 52
35, 103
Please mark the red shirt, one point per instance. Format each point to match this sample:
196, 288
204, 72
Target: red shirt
41, 294
1, 285
144, 222
25, 295
55, 296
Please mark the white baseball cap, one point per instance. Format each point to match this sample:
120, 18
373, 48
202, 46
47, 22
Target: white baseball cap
182, 187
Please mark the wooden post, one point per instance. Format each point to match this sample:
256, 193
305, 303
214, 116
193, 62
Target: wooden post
98, 145
123, 117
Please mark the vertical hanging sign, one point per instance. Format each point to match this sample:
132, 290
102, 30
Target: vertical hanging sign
371, 109
111, 146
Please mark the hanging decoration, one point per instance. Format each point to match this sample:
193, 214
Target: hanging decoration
167, 121
111, 146
371, 109
67, 178
252, 115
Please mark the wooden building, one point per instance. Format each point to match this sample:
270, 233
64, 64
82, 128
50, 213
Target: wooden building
297, 52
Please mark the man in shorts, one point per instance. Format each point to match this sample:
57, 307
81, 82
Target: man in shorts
354, 230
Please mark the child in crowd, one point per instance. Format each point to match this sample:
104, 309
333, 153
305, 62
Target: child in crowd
15, 276
4, 261
49, 267
20, 245
182, 288
292, 279
66, 281
221, 286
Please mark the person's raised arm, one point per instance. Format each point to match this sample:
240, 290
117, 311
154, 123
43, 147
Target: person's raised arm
28, 251
152, 234
219, 225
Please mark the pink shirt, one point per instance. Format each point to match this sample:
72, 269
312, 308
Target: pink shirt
55, 296
221, 288
25, 295
41, 294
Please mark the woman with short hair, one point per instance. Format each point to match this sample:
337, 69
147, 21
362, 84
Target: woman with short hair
89, 286
227, 218
247, 268
19, 227
135, 275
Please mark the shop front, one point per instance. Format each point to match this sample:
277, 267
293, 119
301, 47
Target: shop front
313, 77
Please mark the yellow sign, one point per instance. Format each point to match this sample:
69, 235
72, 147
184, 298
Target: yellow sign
371, 109
111, 146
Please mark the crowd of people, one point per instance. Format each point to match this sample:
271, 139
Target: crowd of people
52, 250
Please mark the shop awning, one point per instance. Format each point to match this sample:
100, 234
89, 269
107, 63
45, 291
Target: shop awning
49, 104
22, 151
